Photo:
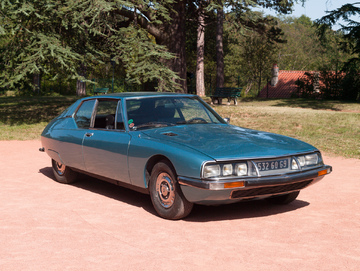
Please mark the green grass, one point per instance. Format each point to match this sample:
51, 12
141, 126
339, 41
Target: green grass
331, 126
23, 118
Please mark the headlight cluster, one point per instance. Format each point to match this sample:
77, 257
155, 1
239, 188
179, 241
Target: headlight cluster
266, 167
225, 170
307, 160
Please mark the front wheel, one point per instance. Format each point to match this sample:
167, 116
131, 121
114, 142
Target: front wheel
284, 199
165, 193
62, 173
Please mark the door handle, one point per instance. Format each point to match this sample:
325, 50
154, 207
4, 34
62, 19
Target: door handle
89, 134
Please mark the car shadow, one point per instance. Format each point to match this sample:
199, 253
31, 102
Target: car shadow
200, 213
241, 210
109, 190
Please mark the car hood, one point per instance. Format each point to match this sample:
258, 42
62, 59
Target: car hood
223, 141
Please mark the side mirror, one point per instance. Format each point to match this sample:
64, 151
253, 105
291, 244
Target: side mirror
227, 120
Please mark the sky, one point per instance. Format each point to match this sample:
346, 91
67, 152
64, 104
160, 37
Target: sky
315, 9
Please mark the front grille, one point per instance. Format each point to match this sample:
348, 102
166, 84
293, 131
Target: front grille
269, 190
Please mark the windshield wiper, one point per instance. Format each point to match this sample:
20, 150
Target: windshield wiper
153, 125
192, 121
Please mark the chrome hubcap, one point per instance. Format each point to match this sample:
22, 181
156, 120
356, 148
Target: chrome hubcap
60, 168
165, 190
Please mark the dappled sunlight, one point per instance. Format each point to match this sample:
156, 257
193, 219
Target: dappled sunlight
31, 110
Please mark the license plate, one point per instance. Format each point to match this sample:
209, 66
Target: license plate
273, 165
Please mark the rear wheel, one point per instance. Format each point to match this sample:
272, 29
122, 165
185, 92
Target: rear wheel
165, 193
284, 199
62, 173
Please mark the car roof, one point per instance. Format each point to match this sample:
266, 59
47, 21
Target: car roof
141, 95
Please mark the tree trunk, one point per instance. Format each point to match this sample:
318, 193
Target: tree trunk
80, 88
37, 82
259, 85
200, 80
170, 34
220, 76
81, 85
174, 40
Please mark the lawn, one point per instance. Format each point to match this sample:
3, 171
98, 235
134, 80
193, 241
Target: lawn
23, 118
331, 126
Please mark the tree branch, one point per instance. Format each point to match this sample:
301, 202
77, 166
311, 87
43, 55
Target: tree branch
144, 23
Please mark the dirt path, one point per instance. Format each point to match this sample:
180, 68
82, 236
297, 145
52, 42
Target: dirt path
93, 225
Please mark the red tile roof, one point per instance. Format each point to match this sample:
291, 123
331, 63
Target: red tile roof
285, 87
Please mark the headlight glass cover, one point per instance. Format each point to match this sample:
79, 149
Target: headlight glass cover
211, 171
307, 160
241, 169
225, 170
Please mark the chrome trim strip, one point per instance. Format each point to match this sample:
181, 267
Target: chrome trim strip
265, 157
256, 168
297, 162
194, 182
255, 182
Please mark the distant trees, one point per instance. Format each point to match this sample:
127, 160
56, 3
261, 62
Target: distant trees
146, 37
303, 50
170, 42
349, 44
337, 58
253, 53
351, 31
241, 17
298, 47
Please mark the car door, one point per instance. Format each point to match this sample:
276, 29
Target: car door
71, 136
105, 144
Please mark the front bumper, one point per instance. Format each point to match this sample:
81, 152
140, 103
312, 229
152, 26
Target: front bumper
211, 192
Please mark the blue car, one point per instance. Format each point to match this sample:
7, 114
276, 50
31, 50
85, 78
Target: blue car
176, 148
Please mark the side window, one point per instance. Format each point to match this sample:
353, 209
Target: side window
83, 115
105, 114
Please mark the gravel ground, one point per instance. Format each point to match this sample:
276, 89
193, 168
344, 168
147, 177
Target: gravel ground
93, 225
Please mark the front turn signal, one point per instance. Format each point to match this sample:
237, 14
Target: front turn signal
323, 172
234, 184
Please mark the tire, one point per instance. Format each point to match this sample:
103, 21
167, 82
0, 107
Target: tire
166, 195
63, 174
284, 199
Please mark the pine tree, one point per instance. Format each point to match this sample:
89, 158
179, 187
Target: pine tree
351, 30
74, 35
147, 37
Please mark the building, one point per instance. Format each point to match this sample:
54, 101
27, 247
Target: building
284, 85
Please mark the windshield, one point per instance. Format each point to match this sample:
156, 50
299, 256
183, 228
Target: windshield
169, 111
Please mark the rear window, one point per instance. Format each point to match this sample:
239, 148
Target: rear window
83, 115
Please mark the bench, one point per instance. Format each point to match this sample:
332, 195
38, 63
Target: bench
229, 93
101, 90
